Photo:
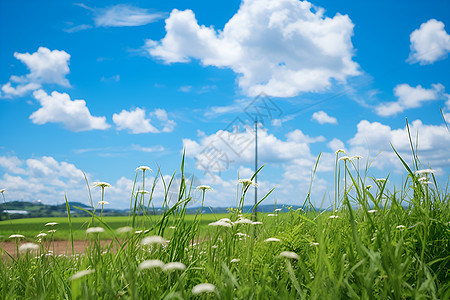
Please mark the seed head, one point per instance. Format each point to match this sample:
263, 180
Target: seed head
150, 264
51, 224
95, 230
144, 168
173, 266
154, 239
81, 274
272, 239
101, 184
203, 288
204, 188
28, 246
289, 254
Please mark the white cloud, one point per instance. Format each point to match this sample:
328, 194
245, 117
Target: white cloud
219, 151
281, 48
45, 67
374, 139
59, 108
323, 118
122, 15
410, 97
429, 43
136, 122
78, 28
336, 144
185, 88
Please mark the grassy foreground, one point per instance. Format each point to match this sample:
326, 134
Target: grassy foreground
375, 244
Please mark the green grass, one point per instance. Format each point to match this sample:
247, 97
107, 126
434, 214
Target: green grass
31, 227
376, 244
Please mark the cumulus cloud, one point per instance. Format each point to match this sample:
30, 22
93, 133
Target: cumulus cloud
45, 66
374, 138
281, 48
59, 108
135, 121
219, 151
323, 118
122, 15
429, 43
410, 97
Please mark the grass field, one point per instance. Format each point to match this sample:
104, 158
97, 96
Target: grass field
31, 227
375, 244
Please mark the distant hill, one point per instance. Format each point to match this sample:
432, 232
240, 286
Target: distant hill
19, 209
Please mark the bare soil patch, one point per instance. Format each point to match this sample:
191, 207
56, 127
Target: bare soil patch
58, 247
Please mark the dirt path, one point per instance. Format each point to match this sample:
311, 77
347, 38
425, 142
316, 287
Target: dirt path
59, 247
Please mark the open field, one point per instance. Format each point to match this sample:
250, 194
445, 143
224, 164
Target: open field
31, 227
375, 244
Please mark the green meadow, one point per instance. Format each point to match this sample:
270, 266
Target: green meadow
374, 243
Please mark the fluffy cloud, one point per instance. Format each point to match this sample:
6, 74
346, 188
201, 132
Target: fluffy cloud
410, 97
59, 108
122, 15
45, 67
429, 43
323, 118
281, 48
136, 122
372, 139
48, 180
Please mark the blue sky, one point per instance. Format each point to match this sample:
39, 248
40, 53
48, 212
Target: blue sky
104, 87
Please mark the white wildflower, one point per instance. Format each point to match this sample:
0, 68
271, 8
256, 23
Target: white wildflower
16, 236
95, 230
339, 151
102, 202
51, 224
150, 264
333, 217
52, 231
314, 244
272, 215
422, 179
356, 157
81, 274
289, 254
101, 184
220, 223
28, 246
424, 171
41, 235
247, 182
204, 188
144, 168
124, 229
381, 179
154, 239
372, 211
243, 221
272, 239
426, 182
172, 266
278, 209
344, 158
400, 227
203, 288
138, 232
214, 246
234, 260
257, 223
240, 234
